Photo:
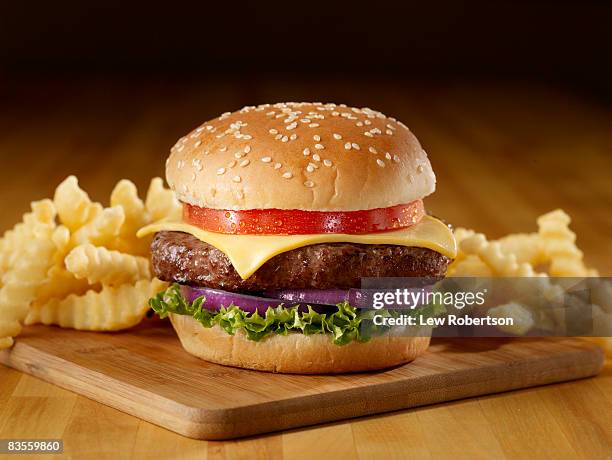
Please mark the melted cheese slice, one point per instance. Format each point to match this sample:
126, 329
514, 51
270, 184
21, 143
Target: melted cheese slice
249, 252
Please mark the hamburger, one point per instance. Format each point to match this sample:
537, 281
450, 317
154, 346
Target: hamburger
286, 208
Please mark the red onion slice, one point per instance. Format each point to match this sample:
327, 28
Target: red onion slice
216, 298
355, 297
359, 298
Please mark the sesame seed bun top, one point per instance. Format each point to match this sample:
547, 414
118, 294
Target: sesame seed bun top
308, 156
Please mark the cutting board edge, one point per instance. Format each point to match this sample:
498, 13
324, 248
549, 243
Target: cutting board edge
227, 423
588, 364
88, 388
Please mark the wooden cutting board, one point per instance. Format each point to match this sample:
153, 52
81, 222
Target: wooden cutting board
146, 373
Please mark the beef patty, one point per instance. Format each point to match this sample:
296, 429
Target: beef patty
182, 258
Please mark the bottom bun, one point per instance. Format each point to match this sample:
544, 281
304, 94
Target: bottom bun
295, 353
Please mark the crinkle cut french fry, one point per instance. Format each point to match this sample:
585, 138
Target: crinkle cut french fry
29, 271
161, 203
559, 244
74, 207
103, 230
100, 265
111, 309
125, 195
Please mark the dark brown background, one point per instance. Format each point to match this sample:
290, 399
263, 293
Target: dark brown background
567, 43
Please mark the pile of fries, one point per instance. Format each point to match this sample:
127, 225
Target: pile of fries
74, 263
550, 253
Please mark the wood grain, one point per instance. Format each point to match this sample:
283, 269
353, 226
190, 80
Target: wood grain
502, 154
146, 373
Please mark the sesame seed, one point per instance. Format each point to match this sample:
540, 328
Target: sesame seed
247, 137
314, 125
391, 126
310, 167
269, 114
206, 152
327, 162
420, 169
372, 150
239, 195
223, 149
316, 137
193, 176
247, 149
380, 163
197, 144
284, 139
309, 183
292, 126
337, 136
232, 163
278, 136
238, 155
389, 132
316, 157
313, 165
306, 151
319, 146
209, 128
369, 134
347, 146
266, 159
293, 137
180, 147
305, 120
359, 123
236, 179
220, 171
355, 146
367, 122
180, 164
273, 131
388, 156
335, 114
277, 165
287, 175
396, 158
244, 163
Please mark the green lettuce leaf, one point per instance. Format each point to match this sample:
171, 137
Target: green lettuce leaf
344, 325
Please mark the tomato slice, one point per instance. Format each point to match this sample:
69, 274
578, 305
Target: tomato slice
298, 222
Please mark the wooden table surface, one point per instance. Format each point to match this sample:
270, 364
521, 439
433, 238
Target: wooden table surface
503, 155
